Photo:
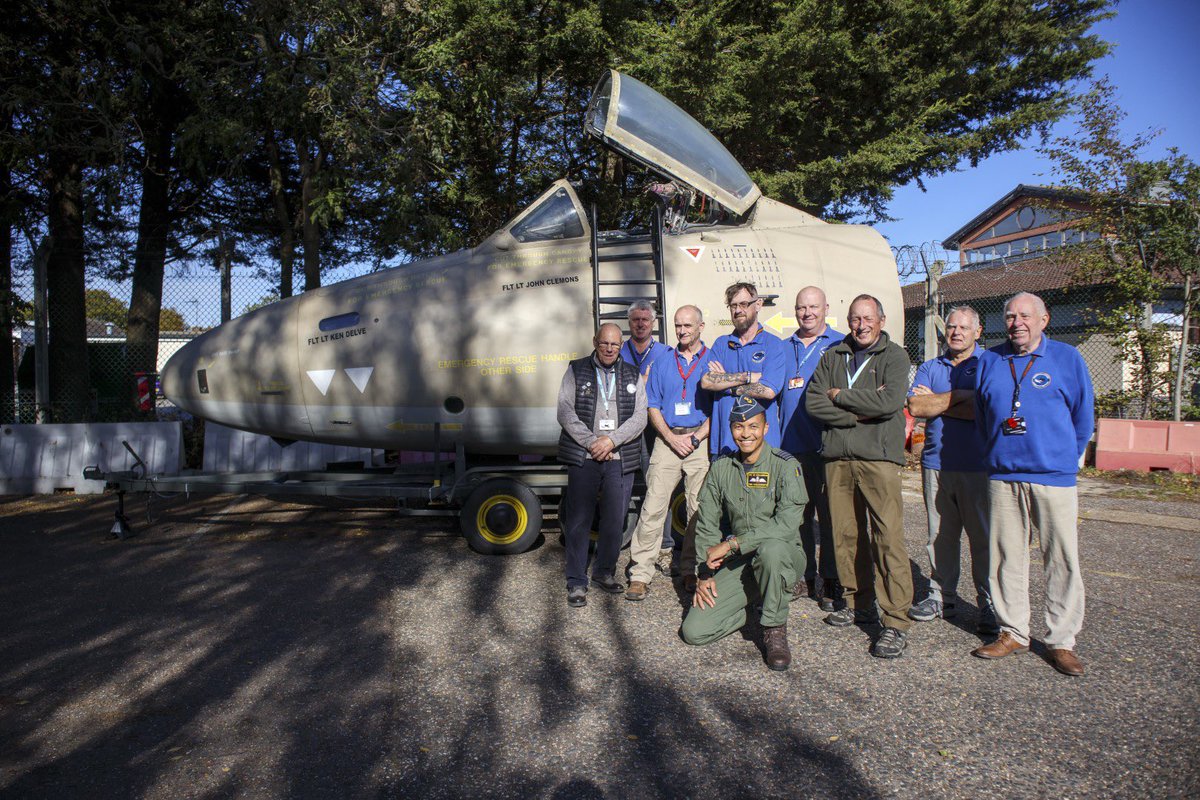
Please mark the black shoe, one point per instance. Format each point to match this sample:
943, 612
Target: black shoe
608, 584
850, 616
832, 600
576, 596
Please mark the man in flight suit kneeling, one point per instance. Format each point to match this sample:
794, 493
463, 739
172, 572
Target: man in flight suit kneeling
759, 492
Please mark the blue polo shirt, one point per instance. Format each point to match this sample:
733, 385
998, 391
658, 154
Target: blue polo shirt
1058, 405
675, 383
950, 443
801, 433
763, 354
629, 355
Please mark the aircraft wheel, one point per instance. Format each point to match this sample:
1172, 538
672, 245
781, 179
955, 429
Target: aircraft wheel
501, 516
676, 523
631, 521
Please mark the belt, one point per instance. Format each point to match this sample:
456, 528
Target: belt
680, 429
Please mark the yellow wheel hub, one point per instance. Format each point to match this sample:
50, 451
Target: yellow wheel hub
502, 519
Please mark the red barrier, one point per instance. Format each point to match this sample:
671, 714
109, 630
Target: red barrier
144, 393
1148, 445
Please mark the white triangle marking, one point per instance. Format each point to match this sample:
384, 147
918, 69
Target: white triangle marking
361, 376
321, 378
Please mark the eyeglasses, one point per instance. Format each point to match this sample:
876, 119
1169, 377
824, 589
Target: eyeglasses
741, 306
608, 345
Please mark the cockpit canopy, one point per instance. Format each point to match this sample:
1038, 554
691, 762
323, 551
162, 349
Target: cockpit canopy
641, 124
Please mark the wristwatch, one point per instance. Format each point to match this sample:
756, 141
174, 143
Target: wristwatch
695, 441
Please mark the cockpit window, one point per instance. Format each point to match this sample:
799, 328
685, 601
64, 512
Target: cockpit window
652, 129
554, 218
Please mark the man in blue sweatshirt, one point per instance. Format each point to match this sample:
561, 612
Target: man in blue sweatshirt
1035, 409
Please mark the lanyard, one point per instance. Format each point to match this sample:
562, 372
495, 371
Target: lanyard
850, 379
606, 390
1016, 401
637, 360
812, 348
691, 369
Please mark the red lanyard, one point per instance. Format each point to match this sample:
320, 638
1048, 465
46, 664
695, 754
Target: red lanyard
691, 369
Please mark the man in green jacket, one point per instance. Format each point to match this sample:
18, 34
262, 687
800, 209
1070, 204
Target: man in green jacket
858, 391
759, 492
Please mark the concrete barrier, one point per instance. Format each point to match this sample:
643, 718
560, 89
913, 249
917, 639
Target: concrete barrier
42, 459
1148, 445
231, 450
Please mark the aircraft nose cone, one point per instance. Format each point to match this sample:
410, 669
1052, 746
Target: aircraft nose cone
178, 377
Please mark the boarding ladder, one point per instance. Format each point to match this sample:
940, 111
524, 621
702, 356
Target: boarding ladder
643, 281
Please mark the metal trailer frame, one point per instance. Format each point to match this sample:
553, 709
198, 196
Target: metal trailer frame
437, 488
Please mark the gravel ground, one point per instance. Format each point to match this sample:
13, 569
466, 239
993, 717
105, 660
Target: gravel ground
240, 646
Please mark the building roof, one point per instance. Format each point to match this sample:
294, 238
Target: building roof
952, 241
1003, 280
102, 329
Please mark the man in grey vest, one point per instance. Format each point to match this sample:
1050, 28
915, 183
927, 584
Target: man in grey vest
602, 411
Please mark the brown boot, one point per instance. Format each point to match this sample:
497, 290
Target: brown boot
779, 656
1066, 662
1005, 645
637, 591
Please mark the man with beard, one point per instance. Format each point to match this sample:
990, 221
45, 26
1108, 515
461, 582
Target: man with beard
748, 362
759, 496
858, 392
602, 410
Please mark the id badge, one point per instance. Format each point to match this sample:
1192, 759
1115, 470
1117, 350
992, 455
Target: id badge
1013, 426
608, 425
683, 409
796, 383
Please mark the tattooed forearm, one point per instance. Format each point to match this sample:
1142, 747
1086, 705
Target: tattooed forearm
754, 390
723, 381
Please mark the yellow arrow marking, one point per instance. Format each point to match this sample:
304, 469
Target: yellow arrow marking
779, 323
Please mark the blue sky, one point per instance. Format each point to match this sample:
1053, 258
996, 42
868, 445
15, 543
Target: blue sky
1154, 65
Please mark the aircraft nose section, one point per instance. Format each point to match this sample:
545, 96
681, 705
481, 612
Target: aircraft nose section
179, 378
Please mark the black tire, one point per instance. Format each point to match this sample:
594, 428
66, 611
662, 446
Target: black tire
631, 520
502, 516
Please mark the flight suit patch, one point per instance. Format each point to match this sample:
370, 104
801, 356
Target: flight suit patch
758, 480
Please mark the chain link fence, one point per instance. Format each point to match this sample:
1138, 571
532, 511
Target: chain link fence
113, 391
1125, 388
933, 284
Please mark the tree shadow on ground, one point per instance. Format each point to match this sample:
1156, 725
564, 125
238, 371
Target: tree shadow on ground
252, 647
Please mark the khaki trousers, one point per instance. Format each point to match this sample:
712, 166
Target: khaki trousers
662, 477
867, 511
954, 502
1015, 509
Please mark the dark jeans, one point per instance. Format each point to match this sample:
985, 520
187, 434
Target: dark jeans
816, 528
584, 484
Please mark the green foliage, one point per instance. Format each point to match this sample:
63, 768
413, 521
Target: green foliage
101, 305
171, 320
265, 300
1148, 215
832, 104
